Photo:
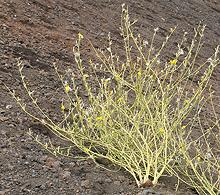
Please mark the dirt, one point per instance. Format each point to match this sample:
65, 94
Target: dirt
43, 32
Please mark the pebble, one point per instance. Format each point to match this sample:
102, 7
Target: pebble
2, 111
117, 183
8, 106
99, 180
2, 118
43, 187
43, 158
53, 163
66, 174
149, 192
108, 180
121, 178
85, 183
3, 192
33, 173
72, 164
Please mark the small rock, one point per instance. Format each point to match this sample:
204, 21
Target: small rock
102, 34
147, 184
43, 158
72, 164
77, 163
121, 178
50, 184
43, 187
2, 118
33, 173
8, 107
108, 180
3, 192
149, 192
85, 183
10, 167
99, 180
53, 163
117, 183
2, 111
66, 174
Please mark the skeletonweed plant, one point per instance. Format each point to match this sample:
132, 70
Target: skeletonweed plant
200, 159
138, 104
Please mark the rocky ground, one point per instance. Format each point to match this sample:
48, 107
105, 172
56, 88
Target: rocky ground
41, 32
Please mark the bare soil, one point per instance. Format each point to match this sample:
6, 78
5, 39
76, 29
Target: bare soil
42, 32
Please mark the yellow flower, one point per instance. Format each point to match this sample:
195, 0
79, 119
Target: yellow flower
80, 35
117, 78
173, 62
186, 101
183, 127
161, 131
199, 159
86, 150
62, 107
99, 118
67, 88
120, 99
86, 75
